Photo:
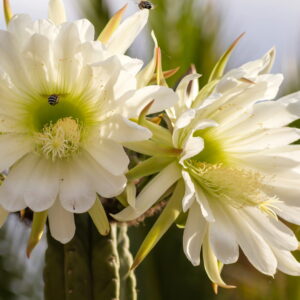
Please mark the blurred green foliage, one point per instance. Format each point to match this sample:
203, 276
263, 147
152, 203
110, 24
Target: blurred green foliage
96, 11
187, 33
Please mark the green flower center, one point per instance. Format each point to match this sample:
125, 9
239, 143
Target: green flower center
42, 113
213, 152
218, 176
59, 123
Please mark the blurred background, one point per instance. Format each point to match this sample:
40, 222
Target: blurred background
189, 31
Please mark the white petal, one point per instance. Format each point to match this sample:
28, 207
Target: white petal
185, 119
274, 231
77, 193
123, 85
13, 188
38, 60
3, 216
131, 65
204, 204
19, 25
42, 185
266, 139
231, 108
185, 100
266, 162
287, 262
127, 32
163, 98
9, 51
103, 182
270, 114
57, 11
292, 103
110, 155
189, 194
61, 223
122, 130
222, 238
192, 147
151, 193
288, 213
194, 232
12, 148
252, 69
253, 245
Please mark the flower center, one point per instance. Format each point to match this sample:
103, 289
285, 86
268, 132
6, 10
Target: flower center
237, 187
213, 151
44, 113
59, 140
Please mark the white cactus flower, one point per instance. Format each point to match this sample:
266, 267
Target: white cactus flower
65, 109
240, 172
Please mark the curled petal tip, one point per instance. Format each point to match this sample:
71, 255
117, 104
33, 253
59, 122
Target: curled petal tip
216, 286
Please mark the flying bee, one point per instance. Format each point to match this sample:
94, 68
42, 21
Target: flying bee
145, 5
53, 99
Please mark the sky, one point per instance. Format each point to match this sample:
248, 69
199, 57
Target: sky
267, 23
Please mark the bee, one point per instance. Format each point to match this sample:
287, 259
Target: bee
53, 99
145, 5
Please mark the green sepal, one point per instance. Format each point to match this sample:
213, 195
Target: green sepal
151, 148
131, 193
37, 230
204, 93
112, 25
148, 167
219, 68
99, 217
159, 133
122, 198
163, 223
181, 220
7, 11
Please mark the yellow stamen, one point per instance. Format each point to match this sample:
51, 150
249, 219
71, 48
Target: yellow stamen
237, 187
59, 140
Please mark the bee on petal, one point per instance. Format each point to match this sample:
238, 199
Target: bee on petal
145, 5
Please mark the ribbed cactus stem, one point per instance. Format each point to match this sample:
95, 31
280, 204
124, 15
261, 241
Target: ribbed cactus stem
91, 266
127, 277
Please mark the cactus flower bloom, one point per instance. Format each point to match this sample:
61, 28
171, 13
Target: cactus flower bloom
66, 106
236, 173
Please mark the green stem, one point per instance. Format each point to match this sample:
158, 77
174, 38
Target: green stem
91, 266
127, 277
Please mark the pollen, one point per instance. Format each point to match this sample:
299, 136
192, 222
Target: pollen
237, 187
60, 140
